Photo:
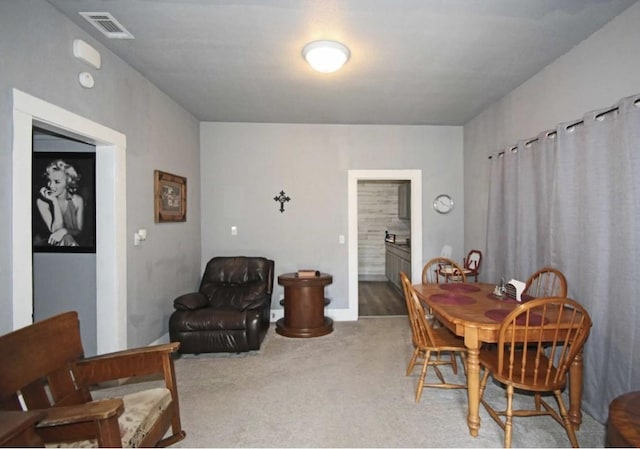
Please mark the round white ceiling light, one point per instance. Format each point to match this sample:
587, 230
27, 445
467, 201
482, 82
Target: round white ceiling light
326, 56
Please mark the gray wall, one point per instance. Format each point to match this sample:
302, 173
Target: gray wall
36, 51
245, 165
593, 75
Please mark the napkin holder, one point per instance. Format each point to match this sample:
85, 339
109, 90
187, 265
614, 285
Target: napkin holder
514, 289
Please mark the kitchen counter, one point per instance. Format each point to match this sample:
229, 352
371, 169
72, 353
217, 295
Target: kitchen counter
397, 259
400, 246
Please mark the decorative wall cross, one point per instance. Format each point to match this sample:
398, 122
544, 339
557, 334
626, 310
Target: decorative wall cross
282, 198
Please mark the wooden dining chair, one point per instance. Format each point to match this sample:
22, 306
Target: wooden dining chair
417, 355
430, 343
545, 283
553, 332
471, 264
442, 269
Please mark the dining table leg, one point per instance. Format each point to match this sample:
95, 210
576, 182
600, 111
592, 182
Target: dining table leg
473, 380
575, 391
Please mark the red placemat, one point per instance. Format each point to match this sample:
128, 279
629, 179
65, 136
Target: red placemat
447, 298
500, 314
460, 288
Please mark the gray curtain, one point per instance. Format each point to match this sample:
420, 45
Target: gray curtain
570, 199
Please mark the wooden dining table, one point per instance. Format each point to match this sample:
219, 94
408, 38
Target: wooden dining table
471, 311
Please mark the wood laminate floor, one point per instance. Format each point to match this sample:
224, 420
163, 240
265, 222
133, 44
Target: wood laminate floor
379, 299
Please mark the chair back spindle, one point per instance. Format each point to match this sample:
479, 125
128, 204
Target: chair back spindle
554, 330
545, 283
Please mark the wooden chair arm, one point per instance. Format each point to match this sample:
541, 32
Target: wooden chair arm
17, 428
91, 411
128, 363
164, 348
98, 419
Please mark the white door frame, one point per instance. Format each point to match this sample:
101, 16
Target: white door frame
415, 177
111, 251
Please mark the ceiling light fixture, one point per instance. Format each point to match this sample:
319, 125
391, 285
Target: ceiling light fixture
326, 56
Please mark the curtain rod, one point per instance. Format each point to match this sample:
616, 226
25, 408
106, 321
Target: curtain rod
567, 127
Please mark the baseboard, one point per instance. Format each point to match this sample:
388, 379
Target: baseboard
162, 340
276, 314
334, 314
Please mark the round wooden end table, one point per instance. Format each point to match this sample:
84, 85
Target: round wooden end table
304, 304
623, 427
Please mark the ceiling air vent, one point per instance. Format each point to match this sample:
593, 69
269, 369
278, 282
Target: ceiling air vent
107, 25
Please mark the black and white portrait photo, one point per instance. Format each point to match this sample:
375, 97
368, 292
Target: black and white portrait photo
64, 202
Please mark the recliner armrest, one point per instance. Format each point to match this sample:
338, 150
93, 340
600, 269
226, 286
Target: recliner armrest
191, 301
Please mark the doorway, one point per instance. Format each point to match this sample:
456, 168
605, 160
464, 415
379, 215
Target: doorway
384, 228
111, 261
415, 179
65, 280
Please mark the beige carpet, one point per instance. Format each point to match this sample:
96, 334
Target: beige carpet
345, 389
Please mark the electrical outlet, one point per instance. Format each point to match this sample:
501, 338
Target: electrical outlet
234, 230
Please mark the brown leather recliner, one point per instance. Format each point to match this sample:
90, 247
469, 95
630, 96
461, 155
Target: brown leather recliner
230, 312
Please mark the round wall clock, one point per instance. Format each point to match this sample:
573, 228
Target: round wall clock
443, 203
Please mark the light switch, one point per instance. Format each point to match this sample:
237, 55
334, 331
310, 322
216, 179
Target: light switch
139, 236
341, 239
234, 230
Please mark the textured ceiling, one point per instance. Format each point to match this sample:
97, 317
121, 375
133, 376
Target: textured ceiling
437, 62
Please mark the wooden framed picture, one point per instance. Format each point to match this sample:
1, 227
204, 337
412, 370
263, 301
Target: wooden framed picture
64, 209
170, 197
